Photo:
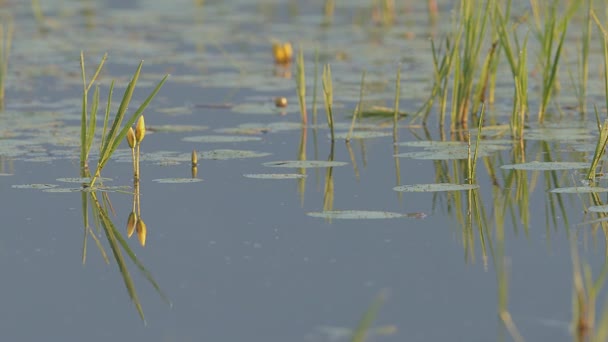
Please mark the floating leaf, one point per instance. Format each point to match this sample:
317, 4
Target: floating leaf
34, 186
304, 163
220, 139
275, 175
177, 180
598, 208
232, 154
81, 179
363, 135
579, 190
546, 166
435, 187
59, 190
178, 128
361, 214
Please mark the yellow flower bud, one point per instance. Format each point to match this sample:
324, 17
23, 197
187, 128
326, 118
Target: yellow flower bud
140, 228
131, 222
131, 137
140, 129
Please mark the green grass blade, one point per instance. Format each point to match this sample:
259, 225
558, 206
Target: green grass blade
106, 118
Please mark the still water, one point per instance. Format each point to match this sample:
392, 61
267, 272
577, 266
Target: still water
241, 258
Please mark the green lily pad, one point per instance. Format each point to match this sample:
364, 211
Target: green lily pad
304, 163
363, 135
231, 154
579, 190
62, 190
34, 186
81, 180
221, 139
361, 215
598, 208
546, 166
435, 187
177, 180
274, 175
178, 128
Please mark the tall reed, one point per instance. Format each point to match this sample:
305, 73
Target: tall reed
6, 39
301, 85
328, 92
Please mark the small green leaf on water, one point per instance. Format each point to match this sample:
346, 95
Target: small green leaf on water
598, 208
274, 175
435, 187
546, 166
81, 179
231, 154
360, 215
178, 128
363, 135
177, 180
579, 190
62, 190
304, 163
221, 139
34, 186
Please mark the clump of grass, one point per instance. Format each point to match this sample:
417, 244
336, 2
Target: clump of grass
550, 51
517, 57
6, 39
301, 85
459, 65
113, 134
328, 90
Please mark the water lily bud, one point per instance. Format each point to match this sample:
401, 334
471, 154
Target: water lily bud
131, 222
140, 228
140, 129
131, 137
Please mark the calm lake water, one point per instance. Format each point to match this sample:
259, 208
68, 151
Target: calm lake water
241, 258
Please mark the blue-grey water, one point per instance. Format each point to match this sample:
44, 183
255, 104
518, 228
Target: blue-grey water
239, 258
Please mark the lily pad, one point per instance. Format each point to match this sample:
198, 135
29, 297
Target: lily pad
598, 208
275, 175
177, 180
34, 186
221, 139
231, 154
546, 166
363, 135
304, 163
361, 214
579, 190
81, 180
435, 187
178, 128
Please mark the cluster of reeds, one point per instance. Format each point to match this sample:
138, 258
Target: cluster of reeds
111, 136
